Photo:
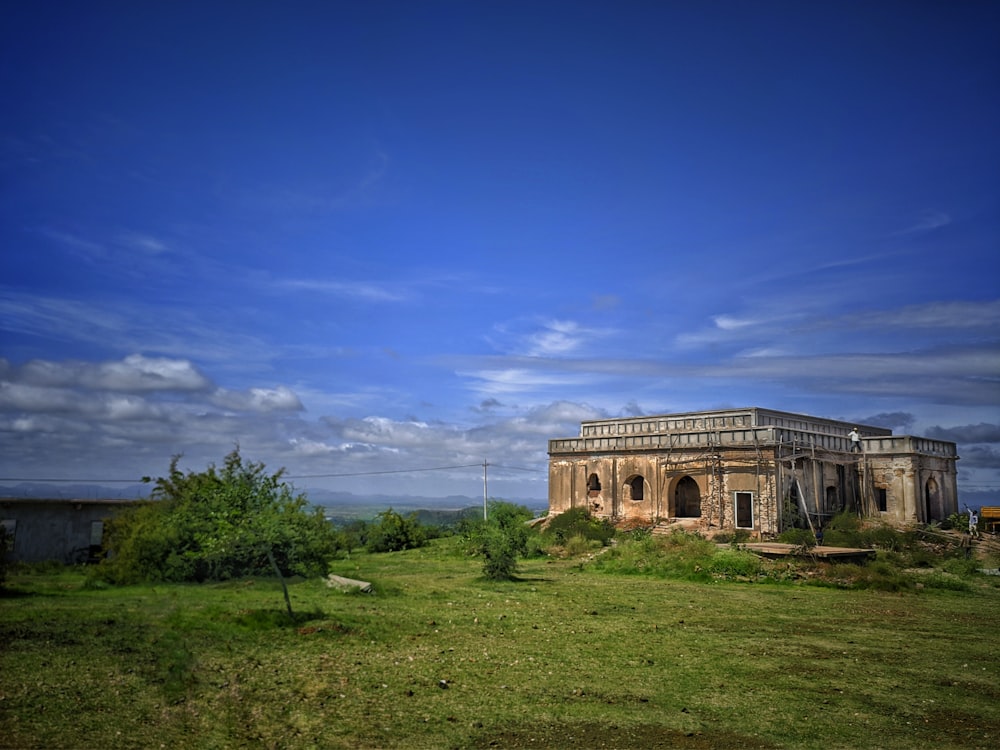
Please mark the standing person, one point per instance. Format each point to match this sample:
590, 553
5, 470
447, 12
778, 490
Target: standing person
855, 437
973, 522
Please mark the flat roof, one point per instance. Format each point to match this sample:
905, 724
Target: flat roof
754, 410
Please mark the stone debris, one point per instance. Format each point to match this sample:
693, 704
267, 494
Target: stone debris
339, 582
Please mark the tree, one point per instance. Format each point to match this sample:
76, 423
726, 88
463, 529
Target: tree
501, 539
218, 524
391, 532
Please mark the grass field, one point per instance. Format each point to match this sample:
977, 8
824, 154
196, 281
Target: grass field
566, 657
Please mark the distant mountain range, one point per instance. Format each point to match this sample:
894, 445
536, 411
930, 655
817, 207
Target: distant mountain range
336, 502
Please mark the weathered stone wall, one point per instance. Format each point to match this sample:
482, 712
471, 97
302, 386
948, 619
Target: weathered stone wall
919, 489
614, 493
742, 468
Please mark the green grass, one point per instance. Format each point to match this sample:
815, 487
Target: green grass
567, 656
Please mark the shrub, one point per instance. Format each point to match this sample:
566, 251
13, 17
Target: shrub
580, 545
217, 524
676, 555
732, 563
798, 537
878, 576
739, 536
579, 522
500, 539
391, 532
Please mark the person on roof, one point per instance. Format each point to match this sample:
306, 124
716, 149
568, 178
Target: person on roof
855, 437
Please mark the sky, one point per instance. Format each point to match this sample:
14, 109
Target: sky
381, 243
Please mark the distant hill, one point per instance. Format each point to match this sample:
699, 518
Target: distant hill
337, 503
349, 505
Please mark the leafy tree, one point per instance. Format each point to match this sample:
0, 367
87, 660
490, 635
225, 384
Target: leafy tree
218, 524
391, 532
500, 539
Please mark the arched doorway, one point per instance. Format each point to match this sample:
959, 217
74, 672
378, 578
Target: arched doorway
687, 499
932, 501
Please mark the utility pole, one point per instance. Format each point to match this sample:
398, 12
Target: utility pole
485, 495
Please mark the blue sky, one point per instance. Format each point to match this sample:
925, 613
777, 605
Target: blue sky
368, 237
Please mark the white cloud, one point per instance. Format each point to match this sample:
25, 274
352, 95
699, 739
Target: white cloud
25, 397
492, 383
307, 447
558, 337
928, 222
261, 400
531, 337
732, 323
362, 290
959, 315
143, 243
130, 407
139, 373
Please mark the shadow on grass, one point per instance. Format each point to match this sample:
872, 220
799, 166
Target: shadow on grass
9, 593
268, 619
516, 580
586, 735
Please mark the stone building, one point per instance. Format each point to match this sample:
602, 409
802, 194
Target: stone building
754, 469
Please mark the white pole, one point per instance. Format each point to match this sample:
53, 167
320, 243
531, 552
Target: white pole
485, 464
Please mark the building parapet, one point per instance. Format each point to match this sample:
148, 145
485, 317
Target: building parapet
754, 437
910, 444
724, 419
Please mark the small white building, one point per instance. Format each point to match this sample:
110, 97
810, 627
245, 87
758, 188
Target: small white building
755, 469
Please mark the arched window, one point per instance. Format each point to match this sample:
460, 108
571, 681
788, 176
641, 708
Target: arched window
593, 484
687, 499
637, 486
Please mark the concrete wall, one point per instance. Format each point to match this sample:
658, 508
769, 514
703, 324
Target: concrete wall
67, 531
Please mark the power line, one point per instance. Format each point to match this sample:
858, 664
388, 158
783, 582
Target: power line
288, 476
387, 471
52, 481
516, 468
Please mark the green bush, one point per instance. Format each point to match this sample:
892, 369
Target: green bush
579, 522
946, 582
580, 545
391, 532
877, 576
218, 524
740, 536
676, 555
500, 540
798, 537
732, 563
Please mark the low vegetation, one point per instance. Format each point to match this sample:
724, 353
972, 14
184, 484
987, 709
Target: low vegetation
500, 539
638, 641
218, 524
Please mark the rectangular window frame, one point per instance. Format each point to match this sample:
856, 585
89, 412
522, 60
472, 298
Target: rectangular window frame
736, 509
